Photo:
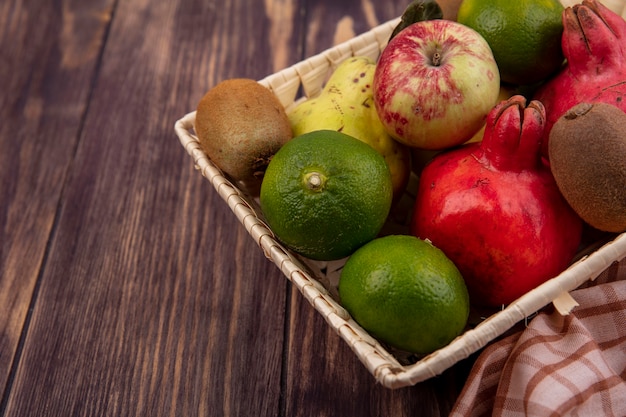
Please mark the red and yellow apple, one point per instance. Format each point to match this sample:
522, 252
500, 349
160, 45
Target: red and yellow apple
435, 83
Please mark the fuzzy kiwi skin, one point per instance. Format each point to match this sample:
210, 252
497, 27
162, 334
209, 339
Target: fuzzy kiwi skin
241, 125
587, 151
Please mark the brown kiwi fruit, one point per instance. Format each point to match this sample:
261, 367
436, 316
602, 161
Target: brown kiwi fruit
587, 151
241, 125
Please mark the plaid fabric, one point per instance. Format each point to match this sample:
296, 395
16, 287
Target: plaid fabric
572, 365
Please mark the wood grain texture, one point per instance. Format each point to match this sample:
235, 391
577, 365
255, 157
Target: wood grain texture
331, 381
46, 71
152, 300
152, 286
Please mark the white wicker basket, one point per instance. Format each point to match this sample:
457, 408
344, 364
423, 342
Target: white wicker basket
317, 280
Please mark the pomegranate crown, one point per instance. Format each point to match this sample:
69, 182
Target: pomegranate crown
513, 134
593, 37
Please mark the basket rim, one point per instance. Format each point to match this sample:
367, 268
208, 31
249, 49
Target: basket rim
381, 363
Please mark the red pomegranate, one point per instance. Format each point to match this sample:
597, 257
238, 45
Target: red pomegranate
495, 210
594, 44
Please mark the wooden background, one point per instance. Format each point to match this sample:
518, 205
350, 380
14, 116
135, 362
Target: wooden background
127, 287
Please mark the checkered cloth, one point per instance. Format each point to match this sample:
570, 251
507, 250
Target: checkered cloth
572, 365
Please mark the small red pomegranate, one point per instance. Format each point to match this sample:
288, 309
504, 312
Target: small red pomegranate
495, 210
594, 44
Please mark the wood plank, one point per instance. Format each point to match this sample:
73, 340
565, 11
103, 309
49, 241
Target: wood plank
325, 378
48, 55
154, 300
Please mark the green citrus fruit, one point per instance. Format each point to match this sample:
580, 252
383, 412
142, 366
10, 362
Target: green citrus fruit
325, 194
405, 292
524, 35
